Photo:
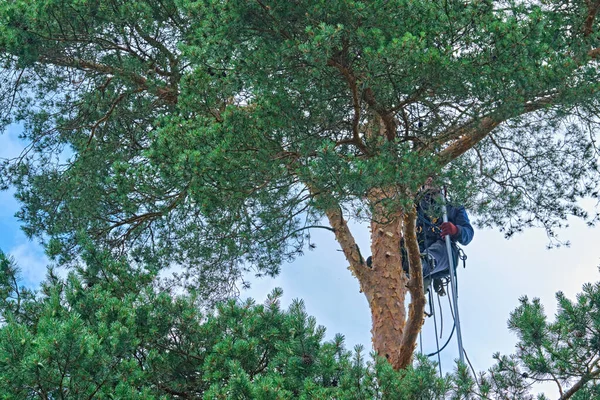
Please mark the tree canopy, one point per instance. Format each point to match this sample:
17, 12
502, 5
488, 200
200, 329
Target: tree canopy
214, 135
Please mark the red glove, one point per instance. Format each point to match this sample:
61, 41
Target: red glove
448, 228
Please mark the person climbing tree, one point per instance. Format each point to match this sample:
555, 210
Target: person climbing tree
431, 233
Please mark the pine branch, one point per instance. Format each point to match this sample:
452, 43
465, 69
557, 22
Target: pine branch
344, 237
588, 25
467, 137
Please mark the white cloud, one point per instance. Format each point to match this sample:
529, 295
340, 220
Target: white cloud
32, 262
498, 273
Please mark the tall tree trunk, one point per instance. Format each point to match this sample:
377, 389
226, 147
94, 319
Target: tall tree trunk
387, 289
385, 284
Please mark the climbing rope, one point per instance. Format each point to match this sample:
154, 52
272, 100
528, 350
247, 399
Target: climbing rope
452, 281
437, 343
462, 257
438, 349
454, 284
441, 316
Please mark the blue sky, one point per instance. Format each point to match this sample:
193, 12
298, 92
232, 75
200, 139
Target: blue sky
13, 241
498, 272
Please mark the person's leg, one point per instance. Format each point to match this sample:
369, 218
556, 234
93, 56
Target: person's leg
439, 253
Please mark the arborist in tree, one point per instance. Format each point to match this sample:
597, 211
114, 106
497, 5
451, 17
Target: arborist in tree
431, 233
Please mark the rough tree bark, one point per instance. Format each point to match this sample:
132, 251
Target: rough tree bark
387, 290
385, 284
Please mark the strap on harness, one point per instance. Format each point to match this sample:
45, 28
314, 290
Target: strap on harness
462, 256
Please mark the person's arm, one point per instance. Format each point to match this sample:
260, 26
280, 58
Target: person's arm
458, 216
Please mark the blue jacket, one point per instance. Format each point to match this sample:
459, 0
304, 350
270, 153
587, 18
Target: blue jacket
428, 225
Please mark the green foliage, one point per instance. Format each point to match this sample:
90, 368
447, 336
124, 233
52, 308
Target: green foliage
114, 333
192, 132
563, 351
566, 349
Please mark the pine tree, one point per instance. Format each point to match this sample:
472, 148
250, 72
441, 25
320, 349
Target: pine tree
215, 135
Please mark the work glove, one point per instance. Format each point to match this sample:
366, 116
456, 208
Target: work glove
448, 228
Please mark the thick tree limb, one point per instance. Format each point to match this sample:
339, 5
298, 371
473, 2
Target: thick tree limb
78, 63
167, 94
344, 237
468, 136
158, 45
476, 130
387, 116
588, 25
416, 308
352, 83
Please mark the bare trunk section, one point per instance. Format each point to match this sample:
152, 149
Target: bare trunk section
385, 284
386, 290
